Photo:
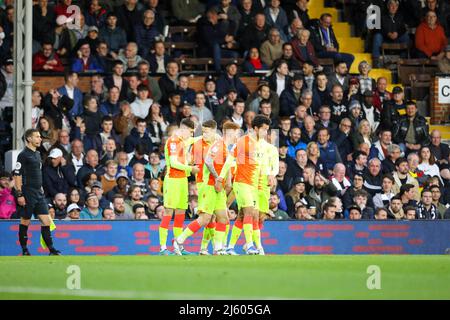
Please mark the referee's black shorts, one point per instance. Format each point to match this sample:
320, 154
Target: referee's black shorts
35, 204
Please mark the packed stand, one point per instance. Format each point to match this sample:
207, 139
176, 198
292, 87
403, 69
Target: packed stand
349, 149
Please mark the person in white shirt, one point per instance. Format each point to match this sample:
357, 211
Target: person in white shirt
36, 110
141, 105
238, 110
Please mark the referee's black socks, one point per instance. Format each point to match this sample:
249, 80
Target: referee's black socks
46, 234
23, 236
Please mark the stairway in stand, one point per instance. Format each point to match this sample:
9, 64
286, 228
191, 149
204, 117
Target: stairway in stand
347, 43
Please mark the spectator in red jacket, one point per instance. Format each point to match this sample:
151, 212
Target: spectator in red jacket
47, 59
430, 38
380, 94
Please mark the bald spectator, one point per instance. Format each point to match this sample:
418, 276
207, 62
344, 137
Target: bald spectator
130, 57
255, 34
439, 150
138, 178
91, 165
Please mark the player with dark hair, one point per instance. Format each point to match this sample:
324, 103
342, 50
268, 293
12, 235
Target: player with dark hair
246, 181
29, 193
175, 184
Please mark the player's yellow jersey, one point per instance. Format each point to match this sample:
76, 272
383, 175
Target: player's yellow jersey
268, 162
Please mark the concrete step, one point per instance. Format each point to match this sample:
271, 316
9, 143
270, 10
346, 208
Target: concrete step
350, 44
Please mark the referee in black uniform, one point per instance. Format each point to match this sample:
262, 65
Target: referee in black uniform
29, 193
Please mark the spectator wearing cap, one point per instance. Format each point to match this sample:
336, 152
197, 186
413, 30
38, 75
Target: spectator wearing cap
298, 193
253, 61
394, 110
121, 187
229, 79
430, 38
91, 38
393, 30
58, 176
159, 58
97, 189
92, 209
255, 33
369, 111
85, 61
146, 32
212, 101
353, 92
354, 113
444, 63
138, 135
121, 211
73, 212
412, 132
365, 82
47, 59
290, 97
7, 201
216, 37
303, 49
112, 34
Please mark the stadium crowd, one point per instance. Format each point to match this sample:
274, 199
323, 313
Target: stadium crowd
348, 148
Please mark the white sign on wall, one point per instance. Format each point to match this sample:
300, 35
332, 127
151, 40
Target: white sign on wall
444, 91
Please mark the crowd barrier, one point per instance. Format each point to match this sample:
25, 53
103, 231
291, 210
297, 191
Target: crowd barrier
279, 237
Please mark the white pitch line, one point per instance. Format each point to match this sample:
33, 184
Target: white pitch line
119, 294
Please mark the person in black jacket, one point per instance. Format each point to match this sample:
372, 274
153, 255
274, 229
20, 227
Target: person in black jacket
255, 34
169, 81
216, 38
229, 80
412, 132
393, 30
138, 135
325, 43
57, 175
56, 107
92, 116
290, 97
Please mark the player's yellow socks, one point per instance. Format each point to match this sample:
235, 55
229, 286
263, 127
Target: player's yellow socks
256, 234
178, 225
164, 231
219, 233
225, 236
235, 233
248, 230
192, 228
205, 239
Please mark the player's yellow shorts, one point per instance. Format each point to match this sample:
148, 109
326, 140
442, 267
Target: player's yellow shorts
246, 195
175, 193
210, 201
263, 200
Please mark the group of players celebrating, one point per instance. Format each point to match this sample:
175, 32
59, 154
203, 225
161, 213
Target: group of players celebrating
228, 168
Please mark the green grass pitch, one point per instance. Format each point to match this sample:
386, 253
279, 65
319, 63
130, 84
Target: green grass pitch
226, 277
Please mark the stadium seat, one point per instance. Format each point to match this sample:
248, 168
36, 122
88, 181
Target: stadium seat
350, 44
183, 46
420, 85
184, 33
376, 73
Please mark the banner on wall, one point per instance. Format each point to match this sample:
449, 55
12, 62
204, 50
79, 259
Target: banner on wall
444, 91
279, 237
